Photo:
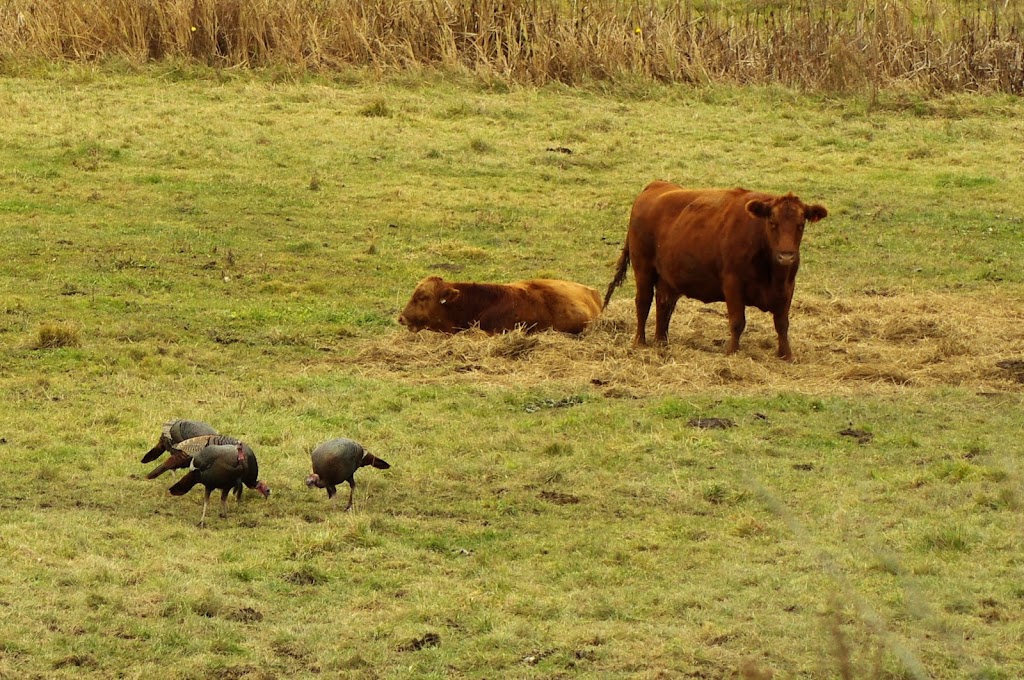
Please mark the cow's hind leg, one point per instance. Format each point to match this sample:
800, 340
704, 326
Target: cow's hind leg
666, 304
644, 298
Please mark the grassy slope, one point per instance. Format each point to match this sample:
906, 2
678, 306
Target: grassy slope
229, 248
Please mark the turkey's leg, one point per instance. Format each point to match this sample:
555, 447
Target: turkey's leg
206, 501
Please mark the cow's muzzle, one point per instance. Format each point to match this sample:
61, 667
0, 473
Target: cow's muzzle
787, 259
414, 327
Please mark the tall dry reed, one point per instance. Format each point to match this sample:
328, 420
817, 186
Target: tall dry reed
860, 44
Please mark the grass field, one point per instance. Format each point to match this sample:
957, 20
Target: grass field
235, 247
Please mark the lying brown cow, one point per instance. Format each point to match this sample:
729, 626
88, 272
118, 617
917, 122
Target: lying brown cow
536, 305
735, 245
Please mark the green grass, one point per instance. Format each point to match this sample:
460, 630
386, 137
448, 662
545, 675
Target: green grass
236, 249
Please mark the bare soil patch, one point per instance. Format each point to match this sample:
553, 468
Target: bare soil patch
861, 436
559, 498
416, 644
711, 423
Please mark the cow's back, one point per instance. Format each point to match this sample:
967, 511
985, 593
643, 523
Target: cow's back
565, 306
691, 239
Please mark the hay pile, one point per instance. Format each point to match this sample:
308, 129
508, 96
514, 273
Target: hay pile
842, 345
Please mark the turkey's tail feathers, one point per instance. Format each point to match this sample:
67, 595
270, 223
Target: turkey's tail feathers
153, 453
157, 471
185, 484
177, 460
374, 461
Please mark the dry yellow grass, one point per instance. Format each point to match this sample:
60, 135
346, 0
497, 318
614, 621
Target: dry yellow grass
52, 335
865, 44
865, 344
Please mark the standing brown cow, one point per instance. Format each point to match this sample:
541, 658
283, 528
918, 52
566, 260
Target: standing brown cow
534, 305
735, 245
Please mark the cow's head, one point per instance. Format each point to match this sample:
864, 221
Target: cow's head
427, 308
784, 218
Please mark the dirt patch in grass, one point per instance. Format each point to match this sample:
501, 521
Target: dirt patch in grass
76, 661
559, 498
233, 672
416, 644
245, 615
1014, 368
861, 436
305, 576
711, 423
862, 344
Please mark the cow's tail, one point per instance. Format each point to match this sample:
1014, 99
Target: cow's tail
620, 273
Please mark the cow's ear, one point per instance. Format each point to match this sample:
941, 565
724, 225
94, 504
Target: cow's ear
813, 213
759, 209
448, 293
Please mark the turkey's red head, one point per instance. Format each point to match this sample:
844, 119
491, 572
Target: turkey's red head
262, 487
313, 480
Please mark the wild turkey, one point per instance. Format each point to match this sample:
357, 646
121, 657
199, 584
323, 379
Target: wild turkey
182, 454
174, 432
220, 466
336, 461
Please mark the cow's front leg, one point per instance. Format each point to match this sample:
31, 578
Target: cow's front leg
737, 313
782, 328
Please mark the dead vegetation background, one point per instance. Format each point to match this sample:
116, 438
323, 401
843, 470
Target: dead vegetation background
942, 46
842, 345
